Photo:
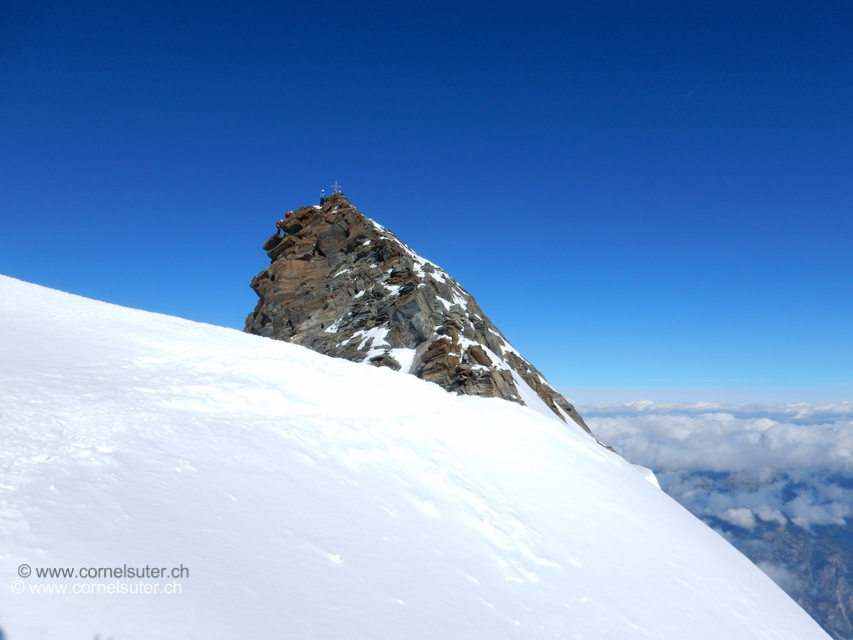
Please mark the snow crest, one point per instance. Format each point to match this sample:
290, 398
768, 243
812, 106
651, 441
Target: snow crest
312, 497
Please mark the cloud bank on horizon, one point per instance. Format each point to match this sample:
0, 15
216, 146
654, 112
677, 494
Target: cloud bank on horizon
743, 464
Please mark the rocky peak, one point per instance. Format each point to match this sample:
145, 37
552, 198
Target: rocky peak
345, 286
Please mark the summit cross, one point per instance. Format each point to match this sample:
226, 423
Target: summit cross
336, 188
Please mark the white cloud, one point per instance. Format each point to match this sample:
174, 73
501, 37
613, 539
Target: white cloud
787, 580
744, 464
769, 514
739, 517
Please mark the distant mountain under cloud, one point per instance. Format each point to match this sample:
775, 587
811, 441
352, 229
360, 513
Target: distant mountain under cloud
776, 481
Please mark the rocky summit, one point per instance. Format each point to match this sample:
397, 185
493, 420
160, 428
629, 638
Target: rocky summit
344, 286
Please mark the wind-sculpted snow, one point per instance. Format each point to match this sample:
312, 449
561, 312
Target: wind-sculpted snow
312, 497
776, 480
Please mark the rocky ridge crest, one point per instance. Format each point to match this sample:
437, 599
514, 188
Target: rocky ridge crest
344, 286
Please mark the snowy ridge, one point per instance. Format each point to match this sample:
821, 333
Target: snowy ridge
311, 497
460, 297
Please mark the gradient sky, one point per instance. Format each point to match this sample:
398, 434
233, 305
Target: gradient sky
639, 194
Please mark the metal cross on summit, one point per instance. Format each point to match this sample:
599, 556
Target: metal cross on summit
336, 188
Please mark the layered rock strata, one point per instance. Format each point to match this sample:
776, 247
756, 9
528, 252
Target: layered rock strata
346, 287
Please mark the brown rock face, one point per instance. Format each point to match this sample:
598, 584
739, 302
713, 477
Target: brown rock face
346, 287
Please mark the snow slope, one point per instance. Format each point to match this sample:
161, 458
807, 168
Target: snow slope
312, 497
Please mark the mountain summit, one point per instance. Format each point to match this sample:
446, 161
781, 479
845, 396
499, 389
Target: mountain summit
344, 286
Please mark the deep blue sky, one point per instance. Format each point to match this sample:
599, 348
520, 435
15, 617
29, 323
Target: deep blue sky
640, 194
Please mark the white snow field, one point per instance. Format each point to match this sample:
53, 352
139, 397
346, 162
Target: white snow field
314, 498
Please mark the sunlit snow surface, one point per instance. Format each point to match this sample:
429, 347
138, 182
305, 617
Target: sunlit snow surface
317, 498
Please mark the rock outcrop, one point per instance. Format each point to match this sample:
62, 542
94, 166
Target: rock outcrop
345, 286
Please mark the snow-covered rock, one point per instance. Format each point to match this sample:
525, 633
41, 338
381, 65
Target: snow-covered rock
312, 497
347, 287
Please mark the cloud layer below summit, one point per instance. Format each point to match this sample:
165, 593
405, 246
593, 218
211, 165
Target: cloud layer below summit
741, 463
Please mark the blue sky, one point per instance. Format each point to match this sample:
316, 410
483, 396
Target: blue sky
648, 195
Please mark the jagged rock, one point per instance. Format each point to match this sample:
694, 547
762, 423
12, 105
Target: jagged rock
344, 286
385, 361
272, 242
476, 353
